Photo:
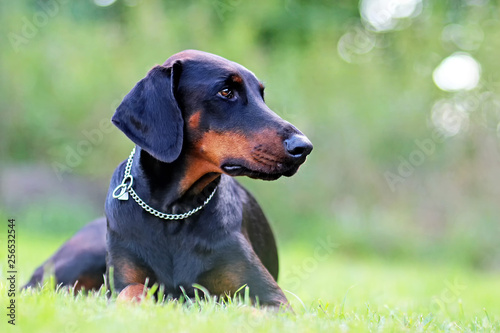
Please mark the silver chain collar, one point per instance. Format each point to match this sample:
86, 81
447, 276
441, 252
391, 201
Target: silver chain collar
124, 189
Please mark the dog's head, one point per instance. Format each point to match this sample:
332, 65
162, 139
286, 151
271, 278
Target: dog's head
213, 111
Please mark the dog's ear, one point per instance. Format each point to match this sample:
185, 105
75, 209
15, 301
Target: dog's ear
150, 116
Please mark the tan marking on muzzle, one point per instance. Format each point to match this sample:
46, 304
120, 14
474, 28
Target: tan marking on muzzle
214, 148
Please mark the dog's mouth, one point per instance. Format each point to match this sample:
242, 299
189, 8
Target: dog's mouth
265, 163
234, 169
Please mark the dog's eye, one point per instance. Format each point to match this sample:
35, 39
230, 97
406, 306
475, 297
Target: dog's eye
226, 93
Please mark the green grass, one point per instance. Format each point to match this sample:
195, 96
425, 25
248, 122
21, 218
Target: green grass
328, 292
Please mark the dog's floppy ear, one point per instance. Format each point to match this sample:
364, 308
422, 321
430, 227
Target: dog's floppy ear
150, 116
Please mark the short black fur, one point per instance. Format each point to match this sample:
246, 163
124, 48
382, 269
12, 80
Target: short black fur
190, 140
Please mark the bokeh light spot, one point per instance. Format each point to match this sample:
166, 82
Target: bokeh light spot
459, 71
466, 37
383, 15
104, 3
355, 43
449, 117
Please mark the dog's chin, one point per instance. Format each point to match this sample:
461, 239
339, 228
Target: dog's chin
234, 170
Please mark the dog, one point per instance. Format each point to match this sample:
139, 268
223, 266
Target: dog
175, 216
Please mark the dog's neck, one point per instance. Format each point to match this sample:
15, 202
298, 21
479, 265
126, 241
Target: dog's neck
177, 182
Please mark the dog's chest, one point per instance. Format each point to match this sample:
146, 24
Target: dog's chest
179, 260
177, 253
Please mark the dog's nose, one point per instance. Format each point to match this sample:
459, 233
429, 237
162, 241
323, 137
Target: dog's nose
298, 146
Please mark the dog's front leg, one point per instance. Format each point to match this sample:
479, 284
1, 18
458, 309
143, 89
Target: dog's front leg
129, 275
238, 265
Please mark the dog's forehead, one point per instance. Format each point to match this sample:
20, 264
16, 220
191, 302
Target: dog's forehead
208, 62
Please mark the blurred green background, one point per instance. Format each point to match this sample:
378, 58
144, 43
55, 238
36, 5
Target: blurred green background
405, 164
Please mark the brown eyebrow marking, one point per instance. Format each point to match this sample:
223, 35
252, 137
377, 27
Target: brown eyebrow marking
237, 79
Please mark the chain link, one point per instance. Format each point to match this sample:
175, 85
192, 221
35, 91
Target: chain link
128, 188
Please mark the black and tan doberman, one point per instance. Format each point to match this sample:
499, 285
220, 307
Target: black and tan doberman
175, 216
